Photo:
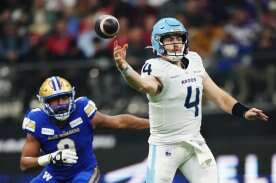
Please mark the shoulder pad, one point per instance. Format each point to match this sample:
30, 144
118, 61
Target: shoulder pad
90, 108
154, 60
193, 56
81, 99
35, 113
29, 124
88, 105
157, 62
33, 119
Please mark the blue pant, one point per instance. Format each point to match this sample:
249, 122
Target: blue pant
86, 176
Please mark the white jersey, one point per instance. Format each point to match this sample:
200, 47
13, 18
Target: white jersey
175, 114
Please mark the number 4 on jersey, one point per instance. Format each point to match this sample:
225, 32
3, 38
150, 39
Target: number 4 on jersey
147, 68
188, 104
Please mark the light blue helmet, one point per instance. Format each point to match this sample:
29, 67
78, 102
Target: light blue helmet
165, 27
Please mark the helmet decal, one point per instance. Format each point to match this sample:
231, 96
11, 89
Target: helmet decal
55, 83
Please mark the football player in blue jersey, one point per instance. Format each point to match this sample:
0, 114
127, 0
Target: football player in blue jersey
63, 128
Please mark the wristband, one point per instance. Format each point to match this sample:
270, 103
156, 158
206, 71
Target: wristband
44, 160
239, 110
124, 71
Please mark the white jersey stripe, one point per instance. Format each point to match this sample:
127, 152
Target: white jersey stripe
55, 83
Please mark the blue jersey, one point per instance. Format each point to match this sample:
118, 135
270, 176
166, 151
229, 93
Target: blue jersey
77, 134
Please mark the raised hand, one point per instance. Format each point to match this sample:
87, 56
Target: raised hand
254, 113
119, 55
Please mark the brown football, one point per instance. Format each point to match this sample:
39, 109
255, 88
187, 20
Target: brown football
107, 26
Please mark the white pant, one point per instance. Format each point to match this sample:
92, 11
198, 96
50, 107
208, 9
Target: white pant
164, 160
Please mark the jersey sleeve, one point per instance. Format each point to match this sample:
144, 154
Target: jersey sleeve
30, 125
90, 109
155, 67
197, 63
202, 68
87, 106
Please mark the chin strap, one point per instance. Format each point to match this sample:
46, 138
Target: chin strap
184, 62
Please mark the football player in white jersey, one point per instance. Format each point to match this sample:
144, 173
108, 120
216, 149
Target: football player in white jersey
174, 82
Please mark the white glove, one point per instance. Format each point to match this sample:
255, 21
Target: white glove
64, 156
59, 157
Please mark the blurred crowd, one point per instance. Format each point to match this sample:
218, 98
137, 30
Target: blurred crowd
236, 40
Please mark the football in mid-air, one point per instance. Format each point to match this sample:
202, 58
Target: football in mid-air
107, 26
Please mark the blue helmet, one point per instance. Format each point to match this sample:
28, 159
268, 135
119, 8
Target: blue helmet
165, 27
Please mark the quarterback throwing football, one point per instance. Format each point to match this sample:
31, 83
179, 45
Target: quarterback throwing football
174, 83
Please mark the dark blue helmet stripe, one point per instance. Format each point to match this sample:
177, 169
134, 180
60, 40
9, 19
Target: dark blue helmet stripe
53, 83
58, 82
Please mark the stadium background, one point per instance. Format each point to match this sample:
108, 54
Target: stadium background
40, 38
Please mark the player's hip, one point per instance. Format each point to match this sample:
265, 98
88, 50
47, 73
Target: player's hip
163, 137
164, 160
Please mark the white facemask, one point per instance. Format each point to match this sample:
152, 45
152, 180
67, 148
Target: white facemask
174, 56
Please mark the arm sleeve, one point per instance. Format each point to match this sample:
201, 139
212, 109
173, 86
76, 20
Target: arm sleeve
30, 126
203, 72
90, 109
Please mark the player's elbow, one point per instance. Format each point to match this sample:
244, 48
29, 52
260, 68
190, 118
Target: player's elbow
144, 89
121, 125
23, 167
147, 88
116, 122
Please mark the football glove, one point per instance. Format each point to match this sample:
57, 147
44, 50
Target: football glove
65, 156
59, 157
